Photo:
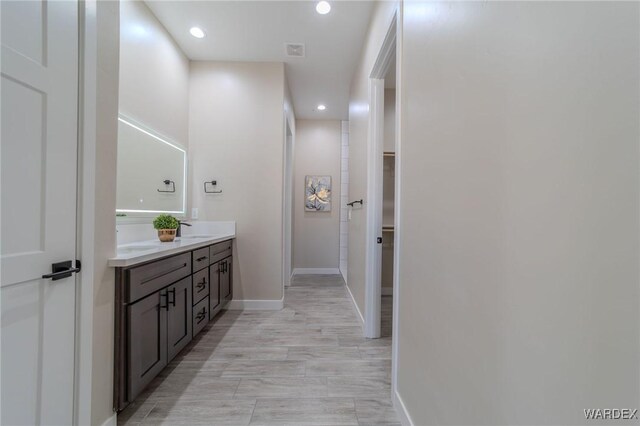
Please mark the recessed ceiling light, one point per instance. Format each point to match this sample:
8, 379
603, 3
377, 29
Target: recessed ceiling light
321, 107
323, 7
197, 32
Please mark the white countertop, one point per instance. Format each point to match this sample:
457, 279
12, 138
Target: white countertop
143, 251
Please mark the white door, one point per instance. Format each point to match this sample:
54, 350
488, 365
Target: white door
38, 149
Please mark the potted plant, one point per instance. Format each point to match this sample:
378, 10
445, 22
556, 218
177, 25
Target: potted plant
166, 226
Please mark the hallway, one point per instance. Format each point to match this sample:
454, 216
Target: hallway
305, 364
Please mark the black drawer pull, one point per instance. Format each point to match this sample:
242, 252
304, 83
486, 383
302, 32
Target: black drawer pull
202, 285
166, 301
201, 258
184, 265
201, 315
173, 302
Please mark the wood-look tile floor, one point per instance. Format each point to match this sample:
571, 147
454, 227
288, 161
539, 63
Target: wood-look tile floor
307, 364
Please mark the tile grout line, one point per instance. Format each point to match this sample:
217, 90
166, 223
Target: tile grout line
253, 411
235, 392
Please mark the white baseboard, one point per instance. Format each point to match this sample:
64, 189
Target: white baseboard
316, 271
398, 404
255, 305
355, 305
344, 275
387, 291
111, 421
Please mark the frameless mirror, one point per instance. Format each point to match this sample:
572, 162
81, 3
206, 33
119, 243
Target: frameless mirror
151, 172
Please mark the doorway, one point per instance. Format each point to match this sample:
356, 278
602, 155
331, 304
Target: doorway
288, 205
383, 164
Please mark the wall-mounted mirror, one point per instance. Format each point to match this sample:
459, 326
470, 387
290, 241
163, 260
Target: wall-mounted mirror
152, 172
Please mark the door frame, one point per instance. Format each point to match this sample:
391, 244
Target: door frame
287, 216
375, 149
373, 284
96, 89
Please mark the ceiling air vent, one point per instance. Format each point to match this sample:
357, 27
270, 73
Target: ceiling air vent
295, 50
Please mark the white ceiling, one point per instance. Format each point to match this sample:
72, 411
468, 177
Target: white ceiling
258, 31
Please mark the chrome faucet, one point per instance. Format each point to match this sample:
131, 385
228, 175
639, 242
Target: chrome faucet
178, 231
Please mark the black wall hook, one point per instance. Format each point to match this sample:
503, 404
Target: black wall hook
212, 183
355, 202
169, 182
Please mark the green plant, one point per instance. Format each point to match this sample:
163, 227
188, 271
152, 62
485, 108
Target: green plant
165, 221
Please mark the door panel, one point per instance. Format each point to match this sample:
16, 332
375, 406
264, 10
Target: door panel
38, 148
179, 316
147, 341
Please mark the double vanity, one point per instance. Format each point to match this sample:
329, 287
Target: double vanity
165, 294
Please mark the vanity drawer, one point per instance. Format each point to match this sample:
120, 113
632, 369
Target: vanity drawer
200, 315
200, 258
200, 285
149, 278
219, 251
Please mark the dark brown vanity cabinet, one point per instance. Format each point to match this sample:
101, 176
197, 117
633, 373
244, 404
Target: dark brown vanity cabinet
160, 306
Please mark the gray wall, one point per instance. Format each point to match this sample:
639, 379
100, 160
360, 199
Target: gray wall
316, 234
236, 136
154, 74
518, 298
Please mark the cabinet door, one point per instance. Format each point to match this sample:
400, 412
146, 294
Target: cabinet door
225, 279
147, 341
179, 316
214, 289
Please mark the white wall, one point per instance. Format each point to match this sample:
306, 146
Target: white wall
154, 74
358, 137
316, 234
97, 212
237, 138
520, 183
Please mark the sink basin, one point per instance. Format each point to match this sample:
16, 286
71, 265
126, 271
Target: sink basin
133, 249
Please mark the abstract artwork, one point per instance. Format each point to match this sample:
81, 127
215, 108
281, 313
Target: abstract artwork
317, 193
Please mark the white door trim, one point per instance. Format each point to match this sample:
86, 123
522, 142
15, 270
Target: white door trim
397, 256
373, 257
287, 195
87, 93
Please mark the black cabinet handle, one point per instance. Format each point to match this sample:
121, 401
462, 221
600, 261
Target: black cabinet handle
200, 259
201, 285
173, 291
166, 301
62, 270
202, 314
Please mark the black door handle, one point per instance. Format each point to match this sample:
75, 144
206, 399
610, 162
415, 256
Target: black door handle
62, 270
